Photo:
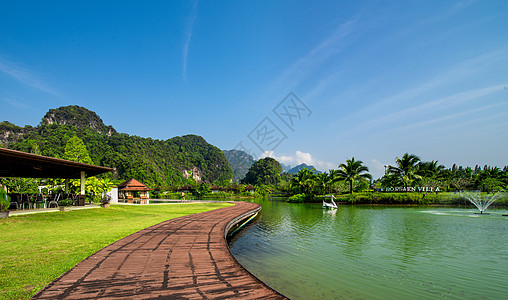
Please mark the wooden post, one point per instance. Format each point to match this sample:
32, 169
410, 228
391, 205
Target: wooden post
66, 185
82, 182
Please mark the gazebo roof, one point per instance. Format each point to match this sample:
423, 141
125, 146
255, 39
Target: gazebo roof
21, 164
250, 188
133, 185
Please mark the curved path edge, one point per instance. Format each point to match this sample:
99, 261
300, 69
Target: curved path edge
182, 258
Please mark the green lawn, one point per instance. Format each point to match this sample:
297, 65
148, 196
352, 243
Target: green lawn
36, 249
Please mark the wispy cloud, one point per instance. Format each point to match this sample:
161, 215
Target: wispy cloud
15, 102
453, 10
299, 158
439, 104
303, 67
188, 37
462, 115
26, 76
409, 100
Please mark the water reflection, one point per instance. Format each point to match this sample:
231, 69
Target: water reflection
376, 252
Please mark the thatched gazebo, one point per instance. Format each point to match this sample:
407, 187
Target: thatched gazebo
132, 190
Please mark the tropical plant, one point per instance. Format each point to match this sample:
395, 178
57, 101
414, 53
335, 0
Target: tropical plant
201, 190
21, 185
430, 169
353, 171
94, 187
323, 182
303, 182
406, 169
5, 200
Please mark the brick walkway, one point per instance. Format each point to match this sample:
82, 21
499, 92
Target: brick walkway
183, 258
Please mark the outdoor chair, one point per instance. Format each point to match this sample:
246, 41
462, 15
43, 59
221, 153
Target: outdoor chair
15, 200
25, 200
74, 198
39, 200
54, 200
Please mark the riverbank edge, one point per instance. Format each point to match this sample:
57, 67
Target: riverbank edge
373, 198
229, 228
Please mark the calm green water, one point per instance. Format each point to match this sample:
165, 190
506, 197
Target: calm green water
367, 252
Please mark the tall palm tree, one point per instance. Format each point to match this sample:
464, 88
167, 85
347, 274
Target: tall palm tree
303, 181
406, 168
322, 181
430, 169
353, 170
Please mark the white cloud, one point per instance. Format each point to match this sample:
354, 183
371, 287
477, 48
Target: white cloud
299, 158
303, 67
443, 103
15, 102
377, 169
188, 37
25, 76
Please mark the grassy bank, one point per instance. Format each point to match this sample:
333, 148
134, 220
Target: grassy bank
396, 198
36, 249
410, 198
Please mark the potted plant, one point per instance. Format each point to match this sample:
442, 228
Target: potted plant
63, 204
5, 202
105, 201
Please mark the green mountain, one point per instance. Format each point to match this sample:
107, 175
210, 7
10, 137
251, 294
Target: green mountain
295, 170
240, 162
157, 163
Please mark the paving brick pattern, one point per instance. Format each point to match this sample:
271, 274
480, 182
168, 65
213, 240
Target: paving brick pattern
183, 258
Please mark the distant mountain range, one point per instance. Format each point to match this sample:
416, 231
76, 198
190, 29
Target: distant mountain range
295, 170
156, 163
240, 161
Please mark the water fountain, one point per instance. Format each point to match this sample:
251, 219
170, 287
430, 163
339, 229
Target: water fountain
481, 201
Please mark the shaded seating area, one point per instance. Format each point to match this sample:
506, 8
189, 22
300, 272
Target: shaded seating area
27, 165
33, 201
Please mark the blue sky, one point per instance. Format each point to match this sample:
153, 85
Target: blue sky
377, 78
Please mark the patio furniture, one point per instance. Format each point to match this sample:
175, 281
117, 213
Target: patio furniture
54, 200
25, 200
15, 201
74, 198
39, 199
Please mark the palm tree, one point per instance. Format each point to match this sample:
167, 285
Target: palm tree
406, 168
430, 169
353, 170
303, 181
322, 181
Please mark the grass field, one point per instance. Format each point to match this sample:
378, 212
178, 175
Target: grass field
35, 249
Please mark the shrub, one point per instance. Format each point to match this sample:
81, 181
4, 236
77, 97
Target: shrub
298, 198
65, 202
5, 200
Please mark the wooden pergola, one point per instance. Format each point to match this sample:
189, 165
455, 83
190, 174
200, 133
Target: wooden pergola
21, 164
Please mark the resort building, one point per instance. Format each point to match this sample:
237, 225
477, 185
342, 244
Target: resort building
250, 189
132, 189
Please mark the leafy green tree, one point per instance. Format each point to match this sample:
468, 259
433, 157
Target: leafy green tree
94, 187
430, 169
406, 169
75, 150
201, 190
353, 171
264, 171
21, 185
323, 182
303, 182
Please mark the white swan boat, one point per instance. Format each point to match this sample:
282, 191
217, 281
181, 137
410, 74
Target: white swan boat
331, 204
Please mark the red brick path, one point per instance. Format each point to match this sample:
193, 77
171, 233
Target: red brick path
183, 258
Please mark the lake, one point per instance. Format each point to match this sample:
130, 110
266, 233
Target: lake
377, 252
